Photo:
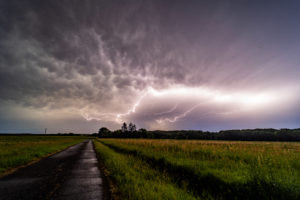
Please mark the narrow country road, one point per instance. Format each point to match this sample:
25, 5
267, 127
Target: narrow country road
70, 174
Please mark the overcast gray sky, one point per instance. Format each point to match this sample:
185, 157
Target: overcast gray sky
75, 66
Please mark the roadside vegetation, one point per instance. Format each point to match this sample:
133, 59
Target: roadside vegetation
16, 151
204, 169
137, 180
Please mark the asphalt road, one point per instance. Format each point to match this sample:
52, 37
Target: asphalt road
70, 174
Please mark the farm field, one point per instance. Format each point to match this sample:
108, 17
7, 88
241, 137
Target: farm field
16, 151
197, 169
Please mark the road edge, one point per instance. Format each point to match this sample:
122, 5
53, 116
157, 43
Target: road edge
109, 186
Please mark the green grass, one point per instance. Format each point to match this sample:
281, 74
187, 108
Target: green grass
16, 151
136, 179
221, 169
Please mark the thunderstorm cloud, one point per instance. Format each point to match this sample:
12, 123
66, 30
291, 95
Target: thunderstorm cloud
73, 65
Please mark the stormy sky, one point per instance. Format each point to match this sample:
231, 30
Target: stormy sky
78, 65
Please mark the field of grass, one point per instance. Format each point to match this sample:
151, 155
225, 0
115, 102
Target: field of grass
136, 179
202, 169
16, 151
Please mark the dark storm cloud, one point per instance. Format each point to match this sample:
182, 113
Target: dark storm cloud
45, 45
101, 55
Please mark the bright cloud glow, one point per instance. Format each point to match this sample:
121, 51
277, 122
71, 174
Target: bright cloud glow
185, 100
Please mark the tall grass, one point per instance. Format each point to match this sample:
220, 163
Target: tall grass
16, 151
136, 179
224, 170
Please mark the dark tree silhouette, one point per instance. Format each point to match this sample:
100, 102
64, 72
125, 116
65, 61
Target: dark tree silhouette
103, 131
124, 128
131, 127
134, 128
244, 135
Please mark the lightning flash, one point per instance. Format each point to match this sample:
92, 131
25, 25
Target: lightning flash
178, 94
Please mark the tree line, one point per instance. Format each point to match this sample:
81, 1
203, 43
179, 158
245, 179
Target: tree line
130, 131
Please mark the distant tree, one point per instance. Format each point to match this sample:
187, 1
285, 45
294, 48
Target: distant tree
142, 130
131, 127
124, 128
142, 133
103, 131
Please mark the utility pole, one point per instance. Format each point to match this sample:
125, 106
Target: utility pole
45, 131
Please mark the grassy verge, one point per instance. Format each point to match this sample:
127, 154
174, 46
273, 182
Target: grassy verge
17, 151
136, 179
224, 170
